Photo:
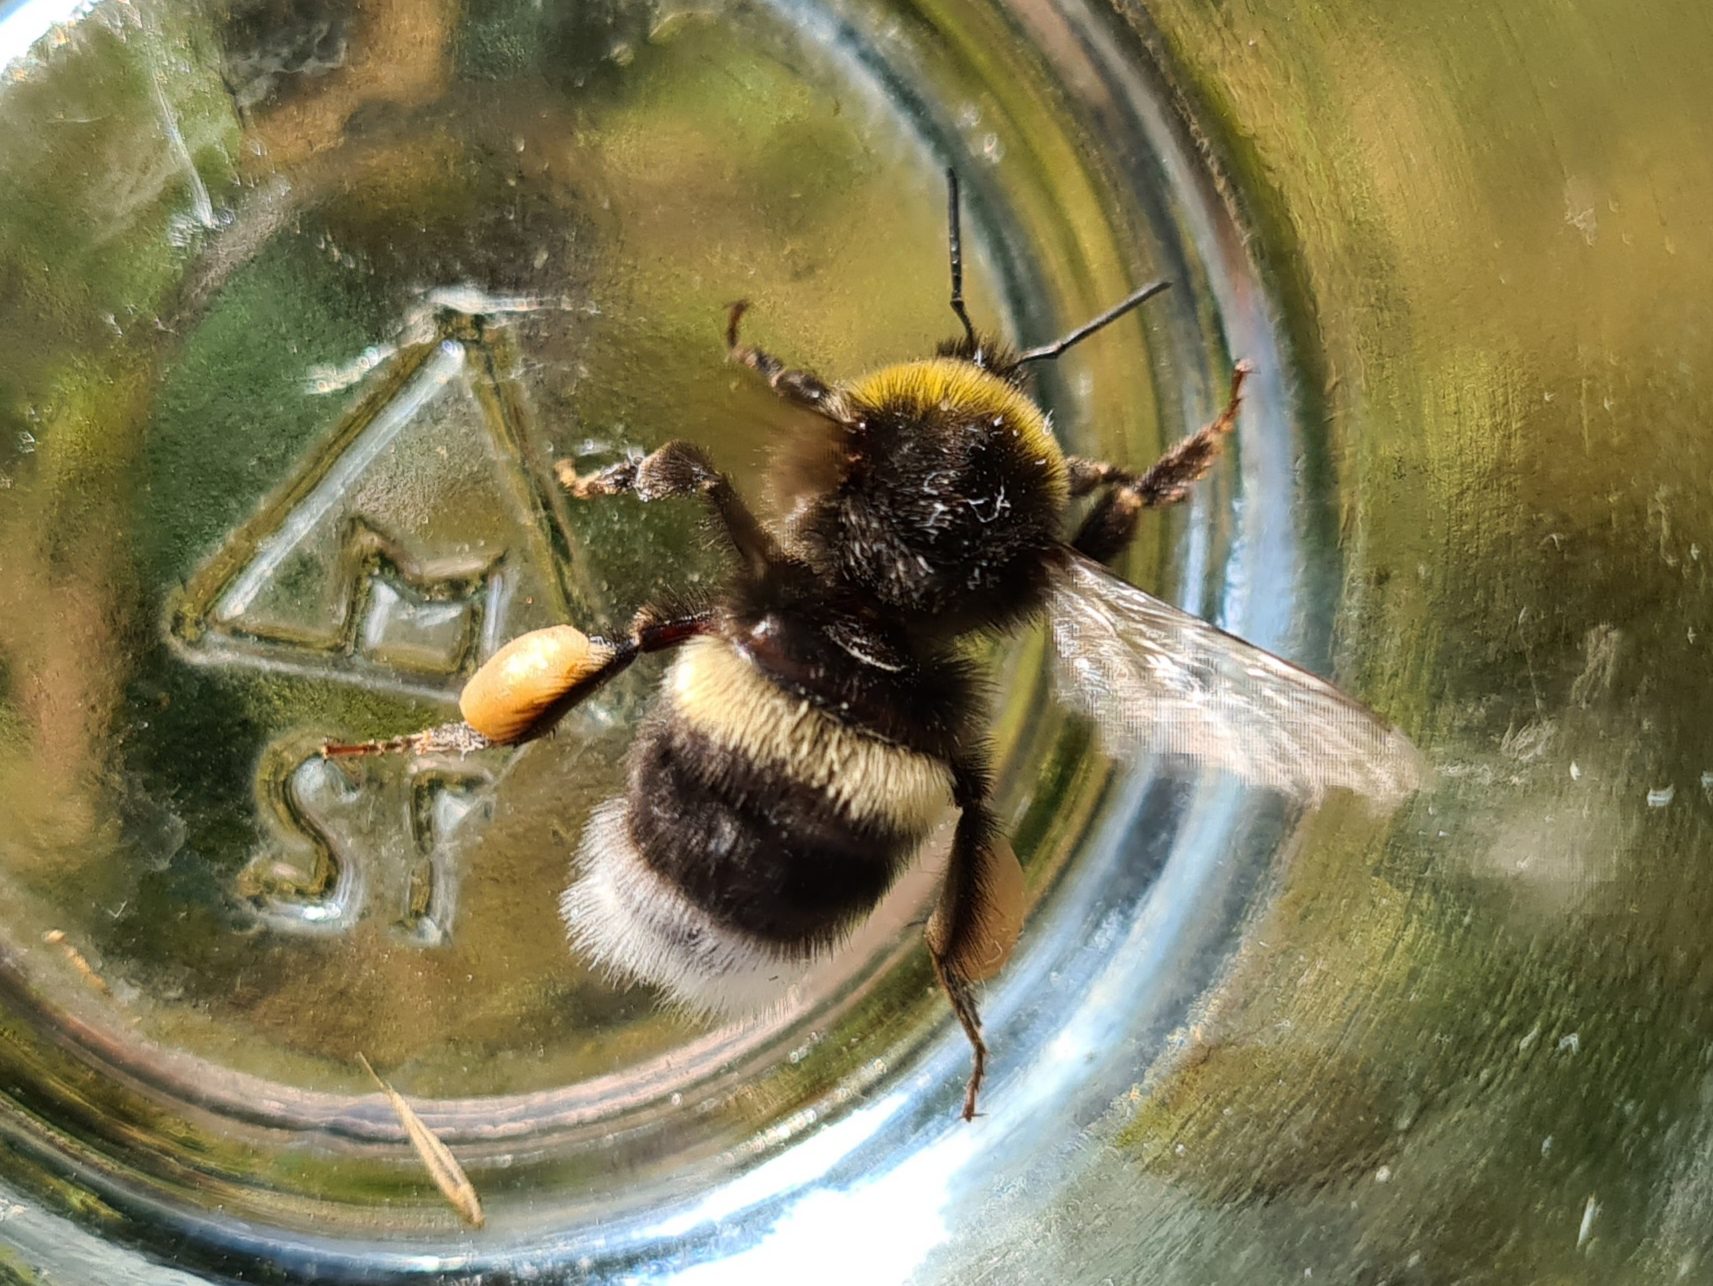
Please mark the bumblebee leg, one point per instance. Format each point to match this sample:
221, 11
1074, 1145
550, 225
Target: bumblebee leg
650, 631
1091, 475
1111, 524
958, 992
801, 388
442, 739
534, 713
679, 469
956, 921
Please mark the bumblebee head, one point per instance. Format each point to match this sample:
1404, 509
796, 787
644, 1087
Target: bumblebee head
985, 353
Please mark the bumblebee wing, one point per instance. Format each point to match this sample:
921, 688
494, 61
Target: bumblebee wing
1156, 680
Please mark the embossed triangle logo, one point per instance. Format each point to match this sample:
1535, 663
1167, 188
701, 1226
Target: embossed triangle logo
413, 542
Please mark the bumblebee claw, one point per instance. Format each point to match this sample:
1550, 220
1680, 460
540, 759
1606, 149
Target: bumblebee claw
350, 750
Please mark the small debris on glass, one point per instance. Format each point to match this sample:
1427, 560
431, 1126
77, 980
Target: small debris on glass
437, 1158
86, 971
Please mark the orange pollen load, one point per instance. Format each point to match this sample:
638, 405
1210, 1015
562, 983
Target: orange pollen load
516, 685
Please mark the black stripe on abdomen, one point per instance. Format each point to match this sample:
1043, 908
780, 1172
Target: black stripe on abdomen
758, 851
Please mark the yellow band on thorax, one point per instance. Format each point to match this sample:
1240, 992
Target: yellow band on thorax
947, 383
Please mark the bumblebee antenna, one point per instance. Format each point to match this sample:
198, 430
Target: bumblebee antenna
1048, 351
955, 240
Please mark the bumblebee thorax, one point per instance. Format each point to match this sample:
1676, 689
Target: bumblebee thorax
953, 394
945, 494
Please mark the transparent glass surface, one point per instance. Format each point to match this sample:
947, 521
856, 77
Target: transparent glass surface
299, 302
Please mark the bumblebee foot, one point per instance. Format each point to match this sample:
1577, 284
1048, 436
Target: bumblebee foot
447, 738
678, 469
957, 991
614, 480
801, 388
974, 1086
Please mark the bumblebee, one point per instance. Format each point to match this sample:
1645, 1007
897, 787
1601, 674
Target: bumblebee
823, 715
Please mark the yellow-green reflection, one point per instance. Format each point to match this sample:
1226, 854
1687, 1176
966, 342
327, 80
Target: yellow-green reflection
1480, 1053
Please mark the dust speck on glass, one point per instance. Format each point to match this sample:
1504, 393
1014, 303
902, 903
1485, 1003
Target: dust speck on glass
299, 306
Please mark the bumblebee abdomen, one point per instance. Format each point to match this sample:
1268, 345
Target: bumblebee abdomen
755, 831
720, 695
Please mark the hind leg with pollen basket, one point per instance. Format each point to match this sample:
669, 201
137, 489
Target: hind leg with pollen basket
530, 684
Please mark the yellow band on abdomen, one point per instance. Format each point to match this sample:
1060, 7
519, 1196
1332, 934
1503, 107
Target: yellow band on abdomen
726, 698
